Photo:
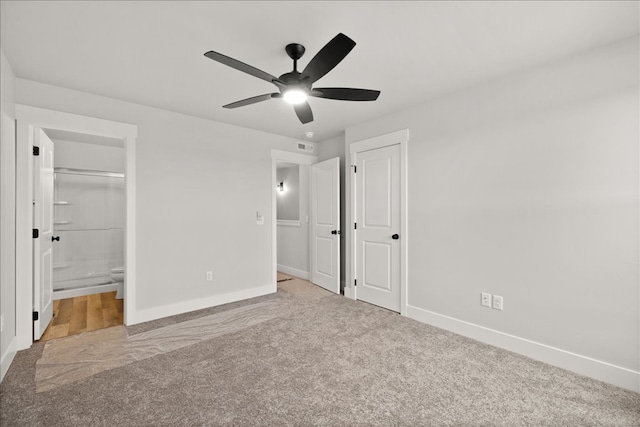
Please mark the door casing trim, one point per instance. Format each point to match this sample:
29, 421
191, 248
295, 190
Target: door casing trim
401, 138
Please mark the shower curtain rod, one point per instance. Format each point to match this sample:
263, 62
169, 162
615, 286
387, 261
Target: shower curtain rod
72, 171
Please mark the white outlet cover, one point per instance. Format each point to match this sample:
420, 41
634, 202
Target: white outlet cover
485, 299
497, 302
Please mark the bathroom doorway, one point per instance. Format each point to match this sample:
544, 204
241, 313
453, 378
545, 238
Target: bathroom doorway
87, 243
34, 269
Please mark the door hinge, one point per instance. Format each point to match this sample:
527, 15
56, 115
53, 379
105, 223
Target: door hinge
36, 315
355, 225
354, 168
36, 150
355, 282
36, 233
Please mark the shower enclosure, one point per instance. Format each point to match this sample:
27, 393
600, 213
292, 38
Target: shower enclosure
89, 215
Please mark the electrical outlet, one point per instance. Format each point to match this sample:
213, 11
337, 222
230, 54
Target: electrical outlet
485, 299
1, 323
209, 276
497, 302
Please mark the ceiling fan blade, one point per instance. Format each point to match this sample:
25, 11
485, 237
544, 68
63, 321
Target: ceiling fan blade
241, 66
303, 111
328, 57
345, 93
252, 100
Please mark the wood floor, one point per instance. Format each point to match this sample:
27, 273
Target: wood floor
72, 316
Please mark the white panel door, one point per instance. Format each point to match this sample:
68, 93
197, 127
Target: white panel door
377, 206
325, 224
43, 222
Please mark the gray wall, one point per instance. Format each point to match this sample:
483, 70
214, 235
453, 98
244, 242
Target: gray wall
527, 187
7, 211
199, 184
329, 149
293, 241
288, 201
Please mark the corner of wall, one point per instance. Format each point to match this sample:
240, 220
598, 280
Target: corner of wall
8, 339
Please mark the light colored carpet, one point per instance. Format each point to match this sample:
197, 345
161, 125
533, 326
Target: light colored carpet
321, 360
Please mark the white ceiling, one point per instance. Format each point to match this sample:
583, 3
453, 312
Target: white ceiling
151, 53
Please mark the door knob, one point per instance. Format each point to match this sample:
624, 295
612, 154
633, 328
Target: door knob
395, 237
55, 238
336, 232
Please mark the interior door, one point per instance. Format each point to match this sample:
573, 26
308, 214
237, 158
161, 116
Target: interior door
42, 245
377, 196
325, 224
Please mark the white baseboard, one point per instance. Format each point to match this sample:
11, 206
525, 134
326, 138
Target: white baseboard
293, 271
149, 314
7, 357
603, 371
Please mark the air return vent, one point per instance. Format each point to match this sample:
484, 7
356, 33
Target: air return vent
305, 147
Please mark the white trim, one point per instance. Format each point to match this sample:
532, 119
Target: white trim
289, 222
393, 138
31, 117
7, 357
401, 138
286, 156
349, 292
198, 304
293, 271
89, 290
603, 371
281, 156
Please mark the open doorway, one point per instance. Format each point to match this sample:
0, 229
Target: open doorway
88, 187
306, 212
87, 242
290, 224
292, 220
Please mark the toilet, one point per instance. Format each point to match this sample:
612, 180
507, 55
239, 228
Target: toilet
117, 276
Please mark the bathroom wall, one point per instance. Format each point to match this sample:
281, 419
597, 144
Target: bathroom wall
89, 214
83, 155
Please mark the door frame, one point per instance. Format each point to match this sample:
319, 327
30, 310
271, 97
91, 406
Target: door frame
28, 118
401, 138
288, 157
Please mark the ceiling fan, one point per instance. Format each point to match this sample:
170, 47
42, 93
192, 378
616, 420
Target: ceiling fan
295, 87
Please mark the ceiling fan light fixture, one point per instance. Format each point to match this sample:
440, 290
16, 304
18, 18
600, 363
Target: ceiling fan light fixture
295, 96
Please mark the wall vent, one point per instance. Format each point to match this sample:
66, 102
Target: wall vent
305, 147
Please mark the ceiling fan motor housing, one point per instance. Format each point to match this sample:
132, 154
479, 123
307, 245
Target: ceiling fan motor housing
294, 80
